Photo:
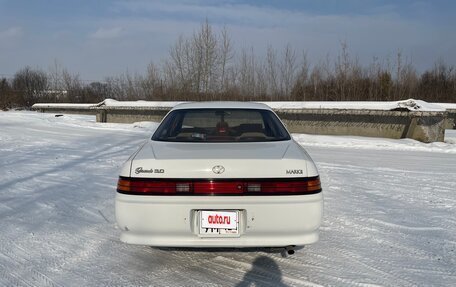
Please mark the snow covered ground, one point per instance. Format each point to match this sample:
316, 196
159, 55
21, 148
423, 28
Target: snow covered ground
390, 214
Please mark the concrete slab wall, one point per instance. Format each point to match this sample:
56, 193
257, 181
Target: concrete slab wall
130, 115
77, 111
450, 121
421, 126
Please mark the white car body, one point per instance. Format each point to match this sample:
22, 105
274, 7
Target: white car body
184, 220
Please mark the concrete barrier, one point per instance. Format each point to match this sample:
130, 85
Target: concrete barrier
127, 115
424, 126
421, 126
80, 110
450, 121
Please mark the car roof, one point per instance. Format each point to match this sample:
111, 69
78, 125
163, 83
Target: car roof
221, 105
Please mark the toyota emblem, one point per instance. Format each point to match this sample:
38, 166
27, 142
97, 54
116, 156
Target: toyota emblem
218, 169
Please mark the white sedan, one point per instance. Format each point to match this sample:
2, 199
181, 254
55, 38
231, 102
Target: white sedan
220, 174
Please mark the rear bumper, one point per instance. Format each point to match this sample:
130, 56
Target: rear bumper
264, 221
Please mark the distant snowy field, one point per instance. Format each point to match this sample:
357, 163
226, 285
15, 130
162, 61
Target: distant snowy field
390, 214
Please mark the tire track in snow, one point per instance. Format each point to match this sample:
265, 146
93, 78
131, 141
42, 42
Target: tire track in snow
374, 265
20, 270
8, 277
393, 251
205, 261
197, 264
232, 267
358, 223
387, 263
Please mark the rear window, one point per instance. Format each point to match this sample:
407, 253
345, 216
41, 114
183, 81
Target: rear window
221, 125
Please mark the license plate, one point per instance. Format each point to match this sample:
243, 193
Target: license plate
219, 223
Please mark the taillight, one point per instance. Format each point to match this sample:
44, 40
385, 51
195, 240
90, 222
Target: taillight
218, 187
135, 186
293, 186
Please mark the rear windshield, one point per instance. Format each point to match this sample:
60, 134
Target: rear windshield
221, 125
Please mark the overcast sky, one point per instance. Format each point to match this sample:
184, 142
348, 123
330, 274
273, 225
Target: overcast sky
105, 38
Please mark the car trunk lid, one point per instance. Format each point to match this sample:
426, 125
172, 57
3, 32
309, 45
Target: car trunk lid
217, 160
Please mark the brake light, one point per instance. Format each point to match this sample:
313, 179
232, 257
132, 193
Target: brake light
293, 186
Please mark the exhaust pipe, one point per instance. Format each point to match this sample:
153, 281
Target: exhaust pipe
288, 250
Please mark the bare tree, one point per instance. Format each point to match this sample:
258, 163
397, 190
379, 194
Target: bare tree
342, 69
272, 73
246, 72
8, 99
261, 81
226, 55
301, 82
178, 68
152, 83
30, 83
288, 69
207, 42
204, 66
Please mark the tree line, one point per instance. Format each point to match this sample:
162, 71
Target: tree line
205, 66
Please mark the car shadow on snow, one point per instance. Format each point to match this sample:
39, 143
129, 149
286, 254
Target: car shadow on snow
264, 271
